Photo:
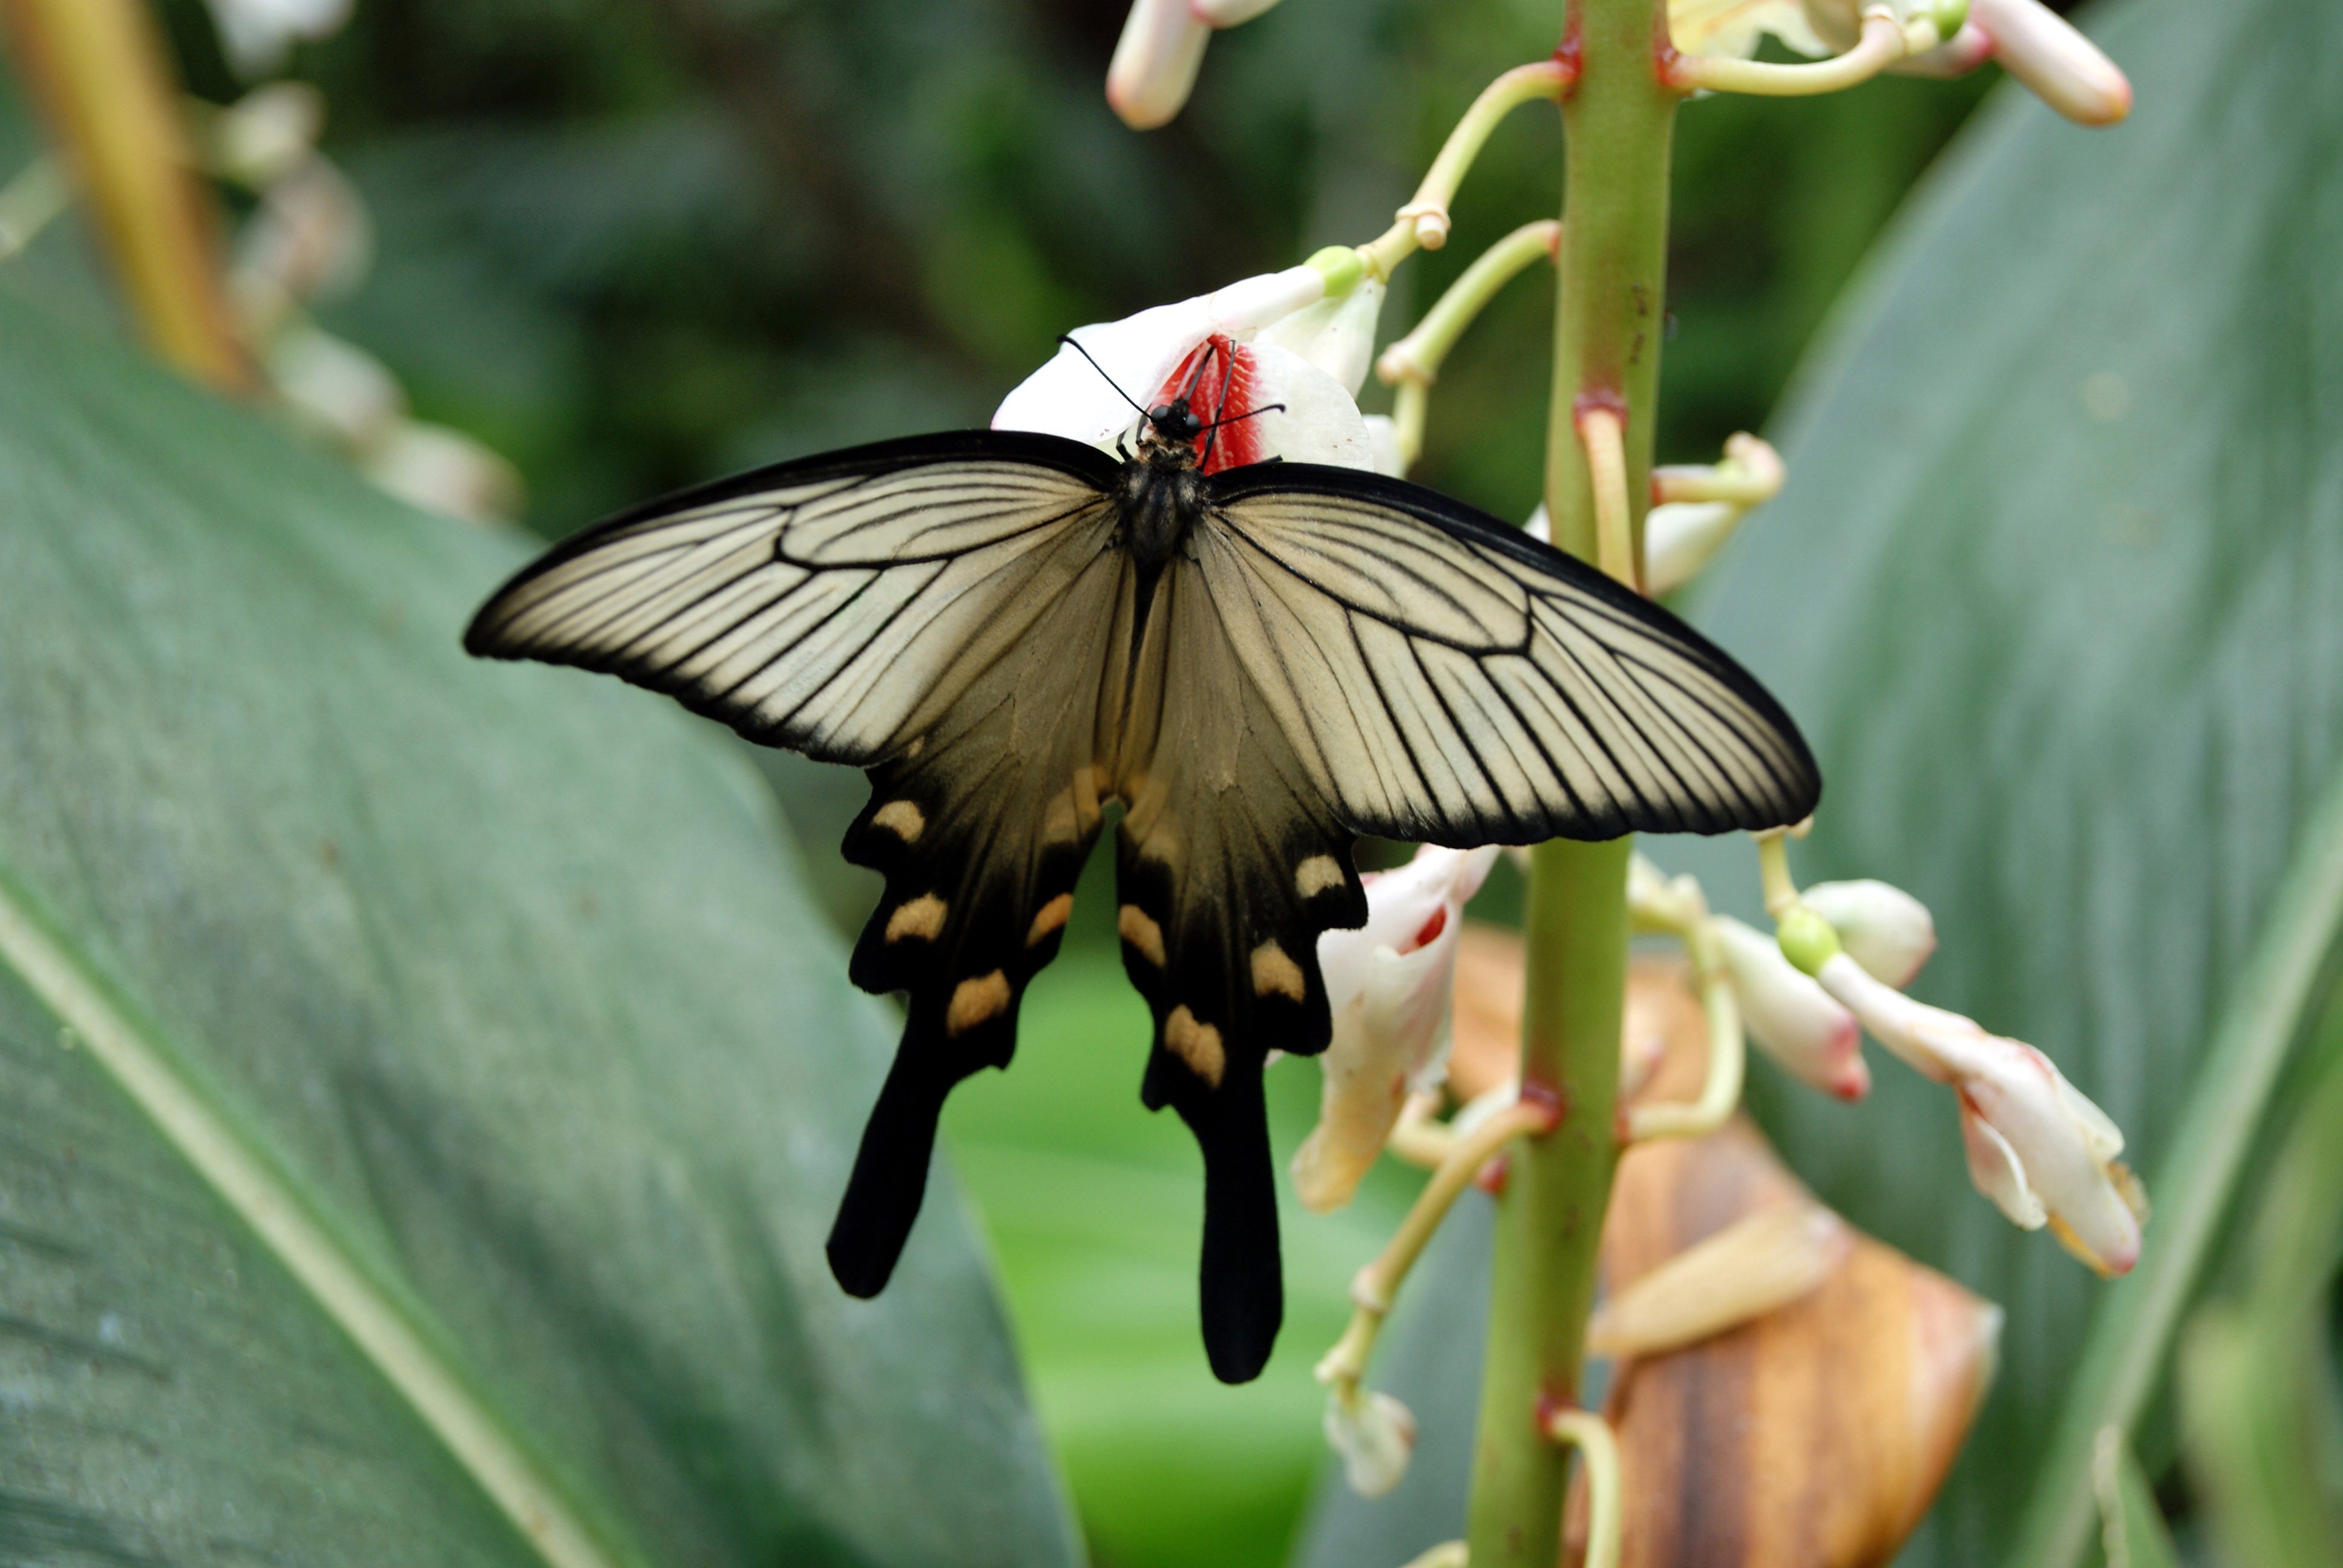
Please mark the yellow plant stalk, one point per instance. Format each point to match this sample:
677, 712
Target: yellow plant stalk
97, 70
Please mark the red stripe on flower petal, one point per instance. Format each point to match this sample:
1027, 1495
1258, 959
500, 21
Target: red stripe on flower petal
1220, 377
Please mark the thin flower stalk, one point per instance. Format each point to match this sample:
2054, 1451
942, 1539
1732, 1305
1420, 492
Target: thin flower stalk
1418, 355
1750, 475
1602, 431
1598, 1449
1424, 218
1719, 1092
1378, 1284
1883, 42
1412, 363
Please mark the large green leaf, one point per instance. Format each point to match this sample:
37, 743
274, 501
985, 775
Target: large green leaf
2054, 591
463, 1083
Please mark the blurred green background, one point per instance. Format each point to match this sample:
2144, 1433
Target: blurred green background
633, 245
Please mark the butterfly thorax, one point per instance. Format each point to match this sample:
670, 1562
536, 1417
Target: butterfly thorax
1161, 492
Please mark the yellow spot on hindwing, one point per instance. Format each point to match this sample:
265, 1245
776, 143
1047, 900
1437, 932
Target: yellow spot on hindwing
922, 917
1049, 918
1197, 1044
1317, 874
902, 818
1274, 972
1140, 933
974, 1001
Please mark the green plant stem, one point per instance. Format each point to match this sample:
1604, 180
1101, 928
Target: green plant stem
1617, 119
1550, 1216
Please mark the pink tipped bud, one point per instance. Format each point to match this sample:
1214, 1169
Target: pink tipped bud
2065, 69
1155, 62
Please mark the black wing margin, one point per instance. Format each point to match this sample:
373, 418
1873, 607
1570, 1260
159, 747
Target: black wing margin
1449, 679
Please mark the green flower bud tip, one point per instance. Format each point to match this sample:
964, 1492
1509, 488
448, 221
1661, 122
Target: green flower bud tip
1948, 16
1343, 266
1806, 939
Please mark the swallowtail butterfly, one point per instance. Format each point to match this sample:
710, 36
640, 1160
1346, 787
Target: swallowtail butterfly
1011, 631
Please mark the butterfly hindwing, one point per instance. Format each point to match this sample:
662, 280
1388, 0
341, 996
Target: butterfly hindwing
1228, 865
1450, 681
980, 824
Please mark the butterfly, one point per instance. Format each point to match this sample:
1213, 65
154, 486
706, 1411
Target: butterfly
1014, 632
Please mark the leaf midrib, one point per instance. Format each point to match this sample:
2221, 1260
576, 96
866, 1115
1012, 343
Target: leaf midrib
249, 1184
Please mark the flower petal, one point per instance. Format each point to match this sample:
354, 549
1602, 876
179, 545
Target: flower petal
1732, 27
1376, 1434
1337, 334
1229, 13
1922, 1035
1318, 424
1996, 1170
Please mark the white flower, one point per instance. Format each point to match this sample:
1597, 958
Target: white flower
1276, 339
1376, 1434
1389, 986
2040, 1149
256, 34
1885, 929
1156, 59
1790, 1016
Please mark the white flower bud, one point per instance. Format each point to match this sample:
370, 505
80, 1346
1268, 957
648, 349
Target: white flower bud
1792, 1018
256, 34
1885, 929
1375, 1436
1155, 62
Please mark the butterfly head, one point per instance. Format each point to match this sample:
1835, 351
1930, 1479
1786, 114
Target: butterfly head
1175, 421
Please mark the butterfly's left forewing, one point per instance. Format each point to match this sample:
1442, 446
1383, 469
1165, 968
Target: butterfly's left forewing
834, 606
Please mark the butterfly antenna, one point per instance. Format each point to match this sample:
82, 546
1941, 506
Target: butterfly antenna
1233, 418
1068, 340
